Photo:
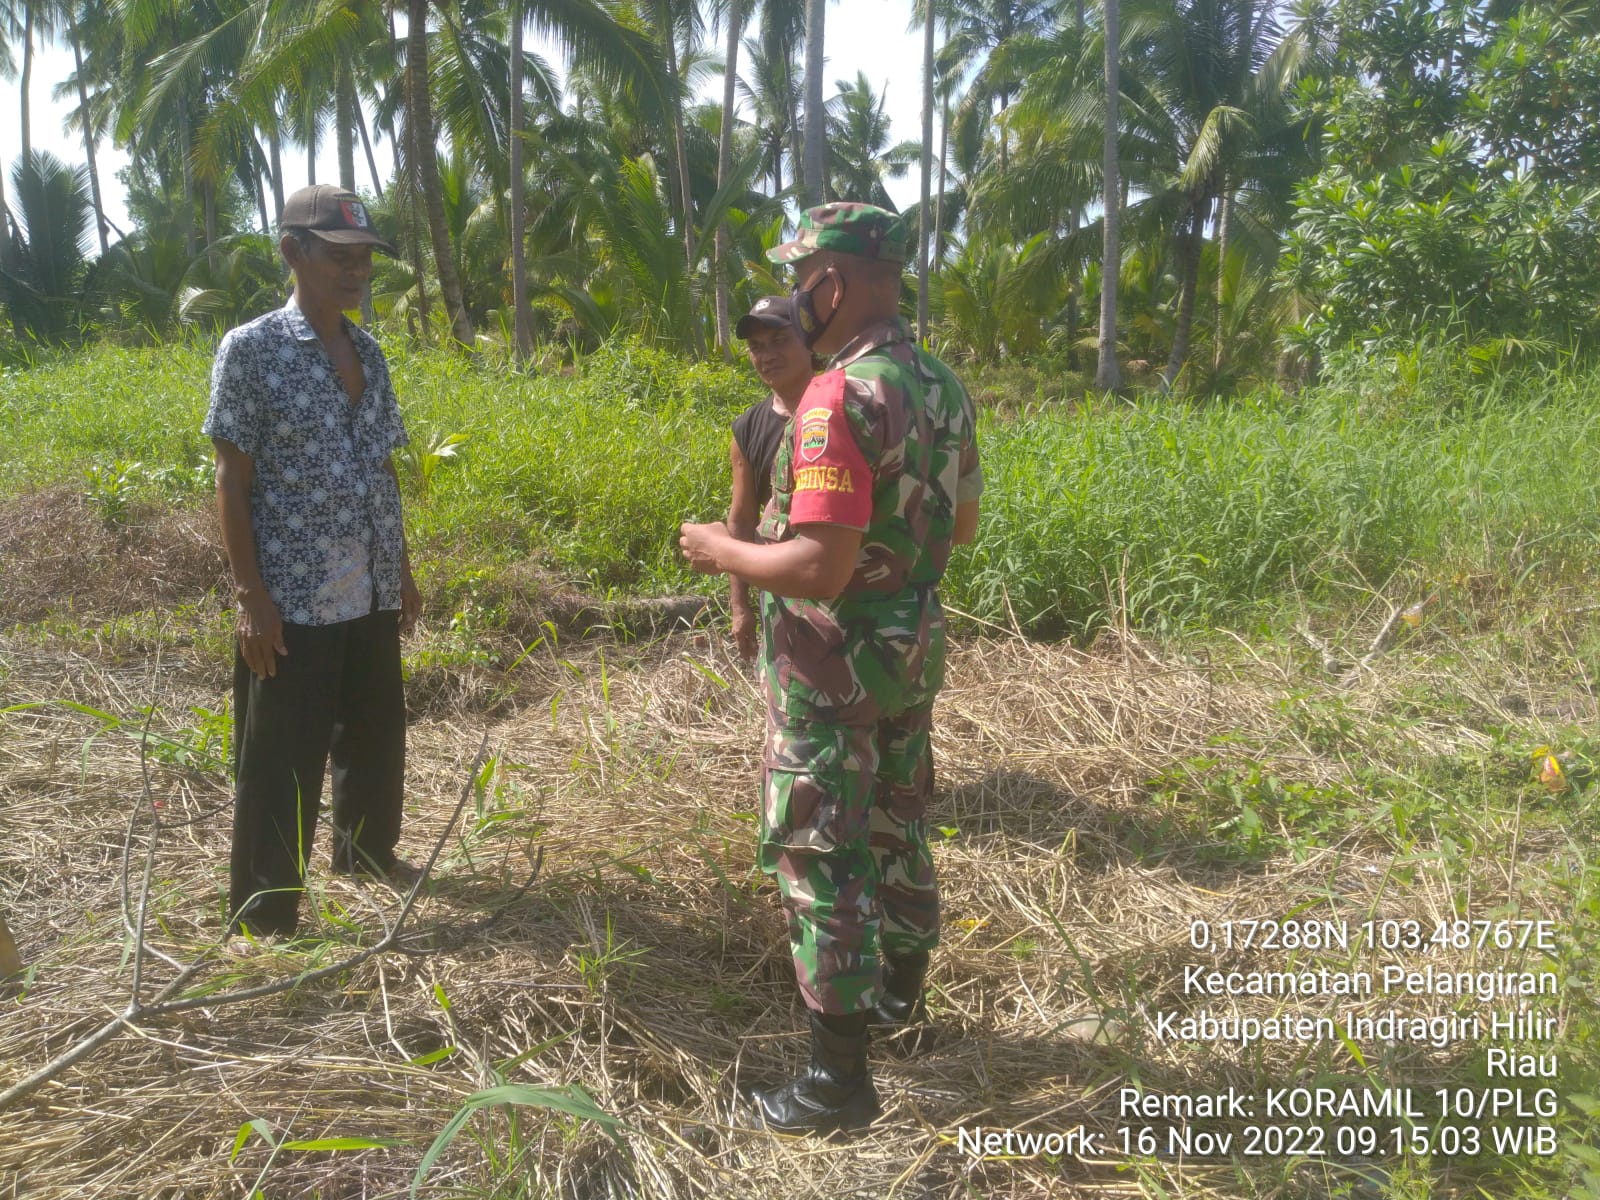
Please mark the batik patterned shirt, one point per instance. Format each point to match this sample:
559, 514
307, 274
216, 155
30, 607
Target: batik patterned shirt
326, 512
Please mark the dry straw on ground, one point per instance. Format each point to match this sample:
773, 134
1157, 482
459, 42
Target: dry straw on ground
648, 963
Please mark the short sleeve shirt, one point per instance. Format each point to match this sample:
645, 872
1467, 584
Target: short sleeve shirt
325, 511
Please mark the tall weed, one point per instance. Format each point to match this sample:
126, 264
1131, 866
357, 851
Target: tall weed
1181, 513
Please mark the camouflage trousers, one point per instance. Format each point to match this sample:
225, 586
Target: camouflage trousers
844, 824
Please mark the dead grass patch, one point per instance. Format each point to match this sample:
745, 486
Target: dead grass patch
61, 556
649, 963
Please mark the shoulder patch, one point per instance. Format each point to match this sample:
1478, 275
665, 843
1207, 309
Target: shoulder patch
832, 480
814, 432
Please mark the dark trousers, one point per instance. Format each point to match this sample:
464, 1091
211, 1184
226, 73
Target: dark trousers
338, 694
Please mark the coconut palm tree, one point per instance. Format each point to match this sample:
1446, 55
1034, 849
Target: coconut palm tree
1107, 376
36, 24
946, 83
1200, 112
419, 114
978, 31
732, 15
605, 229
457, 66
604, 50
814, 161
82, 117
172, 64
771, 87
521, 317
925, 193
994, 305
672, 19
8, 70
1211, 96
41, 283
858, 129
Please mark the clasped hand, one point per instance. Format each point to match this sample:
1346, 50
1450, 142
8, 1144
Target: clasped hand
700, 544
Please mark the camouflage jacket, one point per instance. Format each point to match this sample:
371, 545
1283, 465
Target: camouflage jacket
885, 442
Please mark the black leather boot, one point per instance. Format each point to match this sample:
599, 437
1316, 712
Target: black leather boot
903, 1009
902, 1002
835, 1092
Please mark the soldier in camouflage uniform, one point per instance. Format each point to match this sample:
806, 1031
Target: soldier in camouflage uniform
877, 479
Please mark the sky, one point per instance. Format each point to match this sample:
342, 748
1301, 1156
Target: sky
872, 38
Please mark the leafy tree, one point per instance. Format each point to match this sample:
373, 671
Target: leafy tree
1460, 190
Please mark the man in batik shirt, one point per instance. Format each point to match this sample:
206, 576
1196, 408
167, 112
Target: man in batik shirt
877, 481
303, 417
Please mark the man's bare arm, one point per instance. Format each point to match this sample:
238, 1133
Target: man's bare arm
742, 517
742, 514
815, 564
410, 596
260, 624
966, 528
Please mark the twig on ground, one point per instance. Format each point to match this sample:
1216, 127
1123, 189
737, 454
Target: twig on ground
1331, 662
26, 1087
481, 925
160, 1006
384, 944
135, 930
149, 858
1410, 616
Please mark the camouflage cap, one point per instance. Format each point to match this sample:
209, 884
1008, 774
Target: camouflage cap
846, 228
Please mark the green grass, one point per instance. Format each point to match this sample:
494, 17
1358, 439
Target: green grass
1180, 514
591, 473
1186, 514
595, 471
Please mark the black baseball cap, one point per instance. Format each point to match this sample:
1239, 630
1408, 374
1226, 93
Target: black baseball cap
774, 312
334, 215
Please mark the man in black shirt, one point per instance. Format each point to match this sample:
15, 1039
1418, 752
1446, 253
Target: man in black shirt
785, 366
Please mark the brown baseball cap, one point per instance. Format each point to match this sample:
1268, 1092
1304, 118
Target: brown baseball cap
334, 215
774, 312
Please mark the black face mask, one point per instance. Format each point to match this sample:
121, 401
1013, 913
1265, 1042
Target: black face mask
808, 326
